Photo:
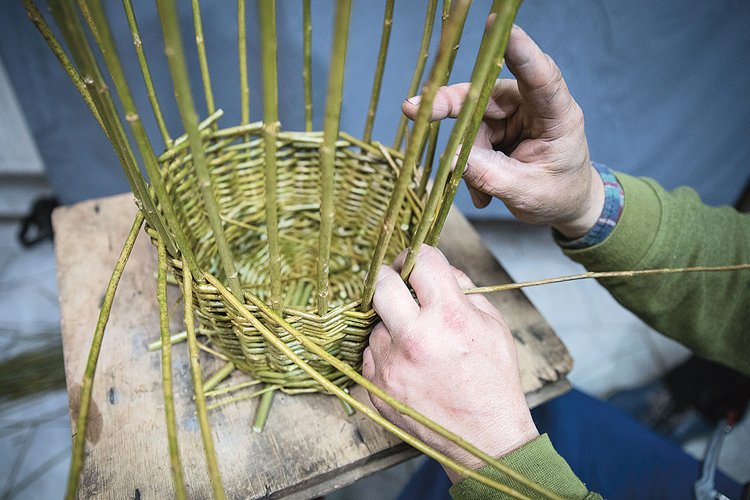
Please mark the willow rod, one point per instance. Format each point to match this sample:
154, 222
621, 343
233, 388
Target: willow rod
505, 14
267, 12
421, 123
200, 397
328, 148
385, 38
147, 80
37, 18
96, 18
75, 36
242, 52
351, 373
307, 62
87, 385
472, 111
424, 52
200, 44
218, 377
606, 274
429, 159
176, 58
166, 374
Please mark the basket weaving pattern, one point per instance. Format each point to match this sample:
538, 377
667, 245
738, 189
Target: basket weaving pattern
362, 187
276, 236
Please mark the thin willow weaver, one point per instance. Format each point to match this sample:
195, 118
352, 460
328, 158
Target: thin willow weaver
287, 269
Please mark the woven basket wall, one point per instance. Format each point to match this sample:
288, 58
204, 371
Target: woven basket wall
306, 233
363, 184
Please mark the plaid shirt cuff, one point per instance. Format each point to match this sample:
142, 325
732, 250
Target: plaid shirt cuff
614, 200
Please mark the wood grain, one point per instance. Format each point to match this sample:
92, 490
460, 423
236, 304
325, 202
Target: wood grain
309, 446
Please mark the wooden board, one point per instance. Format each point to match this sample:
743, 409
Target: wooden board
309, 446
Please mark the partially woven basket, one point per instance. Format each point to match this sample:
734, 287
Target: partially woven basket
363, 183
277, 236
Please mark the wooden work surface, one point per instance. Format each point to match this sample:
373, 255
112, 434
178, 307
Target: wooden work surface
309, 446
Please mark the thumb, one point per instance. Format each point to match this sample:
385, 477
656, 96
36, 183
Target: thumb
489, 171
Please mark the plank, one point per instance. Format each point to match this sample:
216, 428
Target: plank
309, 446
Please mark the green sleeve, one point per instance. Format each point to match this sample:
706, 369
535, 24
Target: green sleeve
536, 460
707, 312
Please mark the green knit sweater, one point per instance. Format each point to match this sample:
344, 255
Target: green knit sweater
708, 312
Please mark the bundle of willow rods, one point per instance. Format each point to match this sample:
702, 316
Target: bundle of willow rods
272, 233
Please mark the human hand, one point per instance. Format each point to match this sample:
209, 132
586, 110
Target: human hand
531, 150
451, 357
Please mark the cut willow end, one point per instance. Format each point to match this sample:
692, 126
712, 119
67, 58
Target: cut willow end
471, 114
267, 19
200, 397
328, 149
424, 52
166, 374
385, 39
177, 67
422, 122
87, 385
219, 376
264, 406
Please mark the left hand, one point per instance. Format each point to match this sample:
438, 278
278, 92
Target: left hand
451, 357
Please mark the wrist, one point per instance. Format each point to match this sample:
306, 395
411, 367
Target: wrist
522, 433
590, 209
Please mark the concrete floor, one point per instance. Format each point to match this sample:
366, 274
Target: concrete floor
612, 350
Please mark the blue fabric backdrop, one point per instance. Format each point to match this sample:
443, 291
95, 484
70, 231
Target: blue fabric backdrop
663, 84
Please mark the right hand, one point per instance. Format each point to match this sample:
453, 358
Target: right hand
531, 150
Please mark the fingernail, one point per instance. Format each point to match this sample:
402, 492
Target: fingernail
475, 198
414, 100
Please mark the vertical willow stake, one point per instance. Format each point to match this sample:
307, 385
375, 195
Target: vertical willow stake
70, 25
307, 62
424, 52
200, 397
147, 80
328, 149
176, 58
242, 50
429, 159
505, 14
94, 14
385, 39
447, 41
202, 59
36, 17
79, 439
166, 374
267, 11
487, 69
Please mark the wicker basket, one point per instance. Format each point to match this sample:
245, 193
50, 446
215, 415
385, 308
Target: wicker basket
277, 235
362, 187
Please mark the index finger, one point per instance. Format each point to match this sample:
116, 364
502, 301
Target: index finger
539, 79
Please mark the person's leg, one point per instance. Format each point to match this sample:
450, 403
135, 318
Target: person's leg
612, 453
616, 455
